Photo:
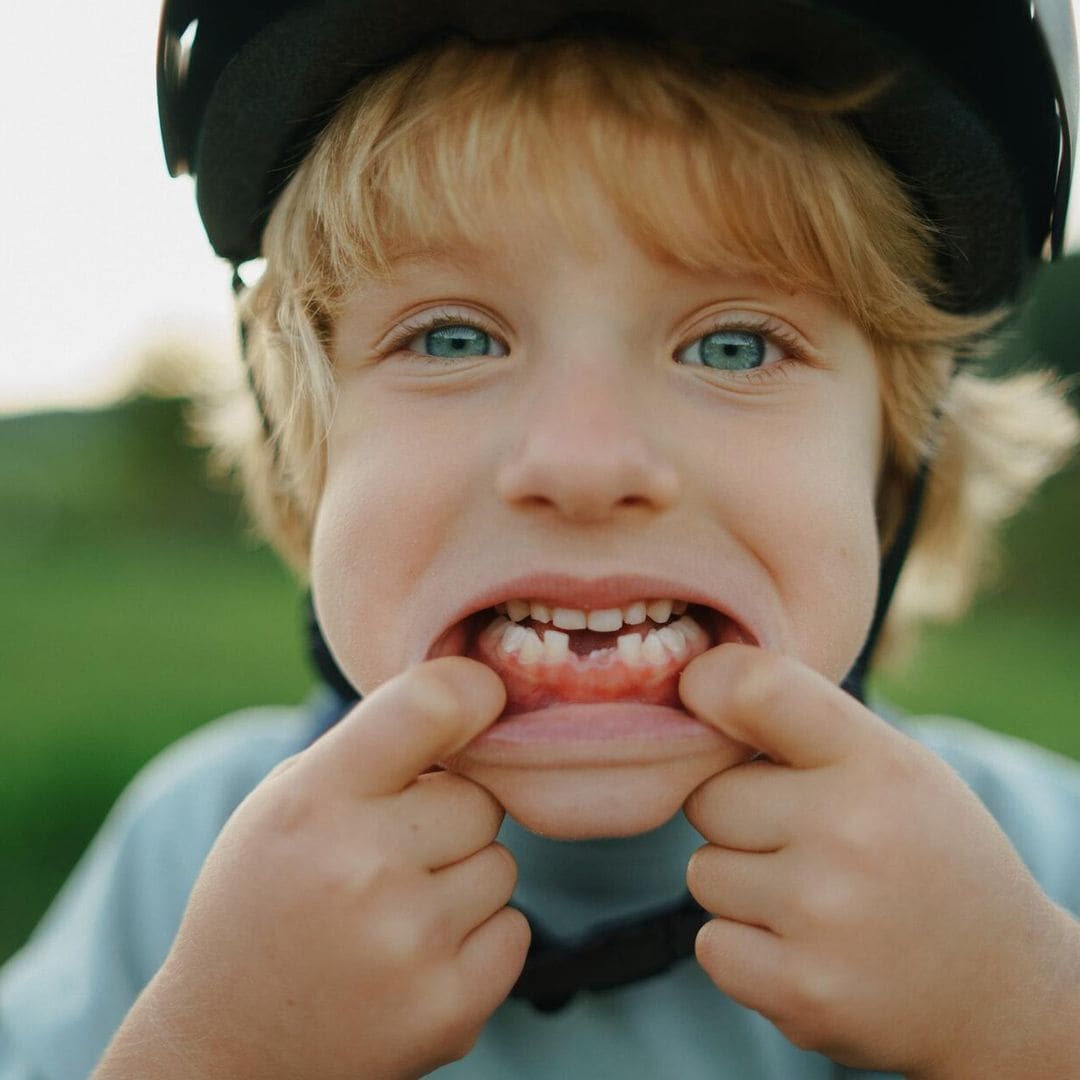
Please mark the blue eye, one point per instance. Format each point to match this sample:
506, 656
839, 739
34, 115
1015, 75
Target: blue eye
451, 341
729, 350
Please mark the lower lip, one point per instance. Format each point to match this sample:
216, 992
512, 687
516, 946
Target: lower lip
592, 733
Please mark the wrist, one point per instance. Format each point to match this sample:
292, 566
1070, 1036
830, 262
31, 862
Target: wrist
153, 1041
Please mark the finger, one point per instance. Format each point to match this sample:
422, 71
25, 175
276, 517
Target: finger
473, 890
750, 807
445, 818
746, 962
738, 885
492, 957
411, 722
777, 705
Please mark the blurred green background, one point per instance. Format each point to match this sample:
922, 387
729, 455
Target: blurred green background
137, 607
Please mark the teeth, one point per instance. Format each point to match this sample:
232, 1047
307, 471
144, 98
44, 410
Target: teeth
604, 619
659, 610
517, 609
673, 641
652, 649
656, 647
531, 650
556, 646
607, 619
569, 619
629, 646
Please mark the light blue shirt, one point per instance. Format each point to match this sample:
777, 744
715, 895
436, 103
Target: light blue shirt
65, 994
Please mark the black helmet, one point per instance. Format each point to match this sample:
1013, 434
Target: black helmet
980, 119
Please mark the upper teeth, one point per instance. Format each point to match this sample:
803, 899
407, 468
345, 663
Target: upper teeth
605, 619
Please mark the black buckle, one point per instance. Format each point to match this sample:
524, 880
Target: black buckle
613, 954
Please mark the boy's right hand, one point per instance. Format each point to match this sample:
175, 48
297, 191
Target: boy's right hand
351, 918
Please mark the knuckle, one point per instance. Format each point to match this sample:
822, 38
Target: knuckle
505, 866
429, 695
407, 941
376, 874
826, 904
289, 810
487, 806
699, 803
906, 768
435, 933
467, 800
508, 936
280, 768
517, 930
707, 946
756, 681
809, 1009
453, 1018
858, 833
698, 871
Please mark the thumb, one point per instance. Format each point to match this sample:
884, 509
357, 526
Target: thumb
409, 724
777, 705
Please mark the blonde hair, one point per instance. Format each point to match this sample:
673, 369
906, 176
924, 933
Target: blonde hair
780, 185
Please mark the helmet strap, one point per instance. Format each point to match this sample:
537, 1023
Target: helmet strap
891, 566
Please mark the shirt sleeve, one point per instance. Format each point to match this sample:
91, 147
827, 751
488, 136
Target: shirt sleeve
63, 996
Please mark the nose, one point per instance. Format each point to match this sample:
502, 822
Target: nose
590, 445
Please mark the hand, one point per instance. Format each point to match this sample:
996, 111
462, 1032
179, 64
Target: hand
350, 920
866, 902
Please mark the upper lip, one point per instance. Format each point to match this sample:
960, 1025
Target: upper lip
592, 594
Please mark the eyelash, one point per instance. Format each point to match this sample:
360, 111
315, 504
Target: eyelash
433, 321
793, 350
775, 333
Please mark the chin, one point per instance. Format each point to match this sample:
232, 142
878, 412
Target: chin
590, 802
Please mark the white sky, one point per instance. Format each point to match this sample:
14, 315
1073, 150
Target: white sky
102, 251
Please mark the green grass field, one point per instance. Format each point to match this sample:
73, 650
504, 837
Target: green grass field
137, 609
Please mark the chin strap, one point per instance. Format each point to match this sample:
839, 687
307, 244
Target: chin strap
891, 566
613, 954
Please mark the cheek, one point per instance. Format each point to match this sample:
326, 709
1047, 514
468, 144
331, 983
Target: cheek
816, 533
388, 506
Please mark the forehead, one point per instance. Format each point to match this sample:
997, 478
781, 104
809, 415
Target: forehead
530, 230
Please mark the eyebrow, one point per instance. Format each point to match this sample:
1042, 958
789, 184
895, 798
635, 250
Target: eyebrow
436, 254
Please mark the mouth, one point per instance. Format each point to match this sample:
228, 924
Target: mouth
549, 656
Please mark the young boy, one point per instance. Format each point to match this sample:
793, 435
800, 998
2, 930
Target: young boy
595, 378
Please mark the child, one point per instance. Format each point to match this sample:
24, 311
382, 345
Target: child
593, 386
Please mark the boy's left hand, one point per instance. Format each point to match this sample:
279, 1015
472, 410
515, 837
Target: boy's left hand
865, 900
